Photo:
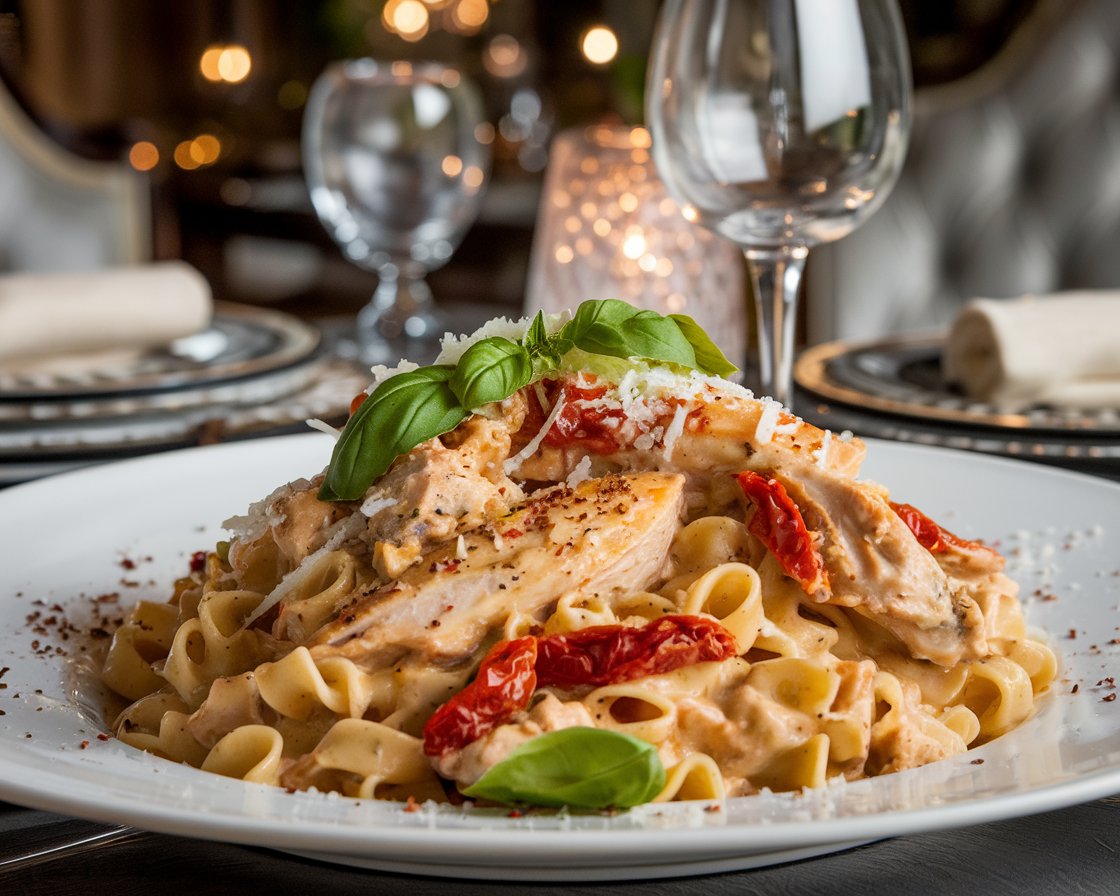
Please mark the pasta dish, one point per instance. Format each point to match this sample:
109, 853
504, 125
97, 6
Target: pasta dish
571, 565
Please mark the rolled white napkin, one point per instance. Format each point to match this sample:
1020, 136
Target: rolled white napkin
1061, 350
45, 316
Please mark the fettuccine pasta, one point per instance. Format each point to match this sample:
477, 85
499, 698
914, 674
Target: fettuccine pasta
645, 550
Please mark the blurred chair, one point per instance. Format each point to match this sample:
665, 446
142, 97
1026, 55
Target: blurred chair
1012, 185
59, 211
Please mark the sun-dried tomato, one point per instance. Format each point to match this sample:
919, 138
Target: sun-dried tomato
592, 428
607, 654
592, 657
357, 401
778, 524
505, 682
934, 538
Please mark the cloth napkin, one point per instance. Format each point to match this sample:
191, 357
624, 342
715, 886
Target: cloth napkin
60, 316
1060, 350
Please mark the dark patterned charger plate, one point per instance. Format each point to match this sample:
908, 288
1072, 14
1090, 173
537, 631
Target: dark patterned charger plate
893, 389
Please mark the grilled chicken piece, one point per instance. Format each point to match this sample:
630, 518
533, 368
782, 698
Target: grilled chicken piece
604, 533
722, 432
437, 491
877, 566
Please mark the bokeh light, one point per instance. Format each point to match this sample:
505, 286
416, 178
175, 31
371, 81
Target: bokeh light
599, 45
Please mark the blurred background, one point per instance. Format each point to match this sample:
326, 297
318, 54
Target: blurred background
204, 101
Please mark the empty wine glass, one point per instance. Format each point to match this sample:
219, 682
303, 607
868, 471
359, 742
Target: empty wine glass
779, 124
396, 175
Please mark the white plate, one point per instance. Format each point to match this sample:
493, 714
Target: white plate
64, 539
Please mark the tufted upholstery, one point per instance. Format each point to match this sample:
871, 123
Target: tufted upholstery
1011, 185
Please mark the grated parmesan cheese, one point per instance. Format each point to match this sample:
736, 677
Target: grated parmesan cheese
323, 426
373, 505
529, 450
767, 421
581, 472
452, 346
340, 532
821, 454
461, 548
673, 432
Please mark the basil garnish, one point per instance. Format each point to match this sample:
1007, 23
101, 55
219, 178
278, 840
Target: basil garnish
405, 410
709, 358
410, 408
583, 768
491, 370
612, 327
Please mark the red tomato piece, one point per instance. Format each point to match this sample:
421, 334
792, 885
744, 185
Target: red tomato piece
607, 654
778, 524
595, 429
594, 656
357, 401
930, 535
504, 683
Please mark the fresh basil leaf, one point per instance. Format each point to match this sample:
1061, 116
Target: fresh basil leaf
584, 768
536, 337
612, 327
490, 370
405, 410
709, 359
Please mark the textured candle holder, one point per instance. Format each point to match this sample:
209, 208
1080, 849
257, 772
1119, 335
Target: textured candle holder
607, 229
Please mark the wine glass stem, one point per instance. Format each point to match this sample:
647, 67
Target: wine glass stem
776, 275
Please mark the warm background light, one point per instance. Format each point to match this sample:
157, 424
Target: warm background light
143, 156
230, 64
599, 45
407, 18
471, 15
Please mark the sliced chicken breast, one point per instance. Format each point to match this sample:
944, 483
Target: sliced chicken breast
604, 533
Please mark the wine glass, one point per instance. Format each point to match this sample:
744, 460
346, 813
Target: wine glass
779, 124
396, 175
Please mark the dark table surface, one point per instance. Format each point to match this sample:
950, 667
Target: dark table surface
1074, 850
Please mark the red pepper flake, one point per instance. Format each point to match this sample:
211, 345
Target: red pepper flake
198, 561
411, 805
1109, 682
127, 563
515, 813
1108, 698
445, 566
713, 807
103, 737
511, 533
977, 762
1071, 634
1075, 689
84, 744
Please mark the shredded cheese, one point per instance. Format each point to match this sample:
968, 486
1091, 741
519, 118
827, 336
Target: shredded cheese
529, 450
581, 472
821, 454
340, 532
374, 505
767, 421
323, 426
673, 431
